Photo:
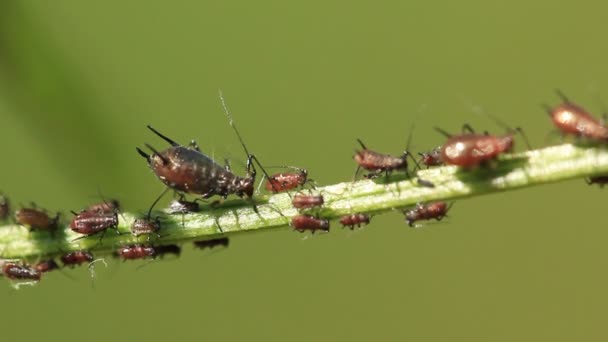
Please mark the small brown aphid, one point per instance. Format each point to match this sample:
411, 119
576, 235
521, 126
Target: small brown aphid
163, 250
183, 207
223, 242
285, 181
354, 220
303, 223
145, 225
431, 158
36, 219
429, 211
89, 223
133, 252
599, 180
572, 119
46, 266
76, 258
301, 201
20, 272
380, 162
106, 207
5, 208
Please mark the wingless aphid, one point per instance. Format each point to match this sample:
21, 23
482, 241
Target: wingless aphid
353, 220
302, 223
188, 170
285, 181
36, 219
572, 119
15, 271
76, 258
427, 211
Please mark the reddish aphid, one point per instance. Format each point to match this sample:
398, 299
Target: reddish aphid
36, 219
303, 223
572, 119
470, 149
20, 272
76, 258
90, 223
301, 201
286, 181
431, 158
599, 180
187, 170
379, 162
106, 207
46, 266
5, 208
223, 242
136, 252
145, 225
428, 211
354, 220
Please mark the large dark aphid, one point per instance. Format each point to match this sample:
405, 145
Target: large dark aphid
5, 207
572, 119
354, 220
188, 170
428, 211
15, 271
36, 219
145, 225
46, 266
301, 201
76, 258
136, 252
223, 242
303, 223
89, 223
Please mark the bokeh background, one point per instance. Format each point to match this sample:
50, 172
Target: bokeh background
80, 80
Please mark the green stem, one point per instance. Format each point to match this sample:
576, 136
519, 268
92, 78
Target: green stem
512, 171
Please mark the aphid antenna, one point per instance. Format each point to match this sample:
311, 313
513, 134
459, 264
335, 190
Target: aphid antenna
505, 126
561, 95
449, 207
362, 144
164, 137
165, 161
250, 157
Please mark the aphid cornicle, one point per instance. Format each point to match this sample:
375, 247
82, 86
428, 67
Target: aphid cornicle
427, 211
36, 219
89, 222
188, 170
302, 223
224, 242
76, 258
301, 201
15, 271
572, 119
353, 220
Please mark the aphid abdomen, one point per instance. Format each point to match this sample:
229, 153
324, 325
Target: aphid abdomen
20, 272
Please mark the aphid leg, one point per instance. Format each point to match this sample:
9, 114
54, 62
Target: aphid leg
165, 138
227, 165
407, 154
156, 201
523, 136
217, 223
443, 132
562, 96
356, 173
467, 128
194, 146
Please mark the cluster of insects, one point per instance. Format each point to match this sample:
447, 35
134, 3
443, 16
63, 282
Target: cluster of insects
188, 171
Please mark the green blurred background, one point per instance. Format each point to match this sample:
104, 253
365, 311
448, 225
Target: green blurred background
80, 80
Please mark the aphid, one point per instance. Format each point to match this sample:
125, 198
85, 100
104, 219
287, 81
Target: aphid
89, 223
285, 181
431, 158
354, 220
572, 119
187, 170
379, 162
163, 250
136, 252
20, 272
224, 242
76, 258
145, 225
599, 180
301, 201
182, 206
429, 211
5, 208
36, 219
106, 207
46, 266
302, 223
470, 149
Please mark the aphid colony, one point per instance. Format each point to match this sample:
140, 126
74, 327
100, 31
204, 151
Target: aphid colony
188, 171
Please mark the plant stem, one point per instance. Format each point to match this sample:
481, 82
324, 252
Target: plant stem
511, 171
